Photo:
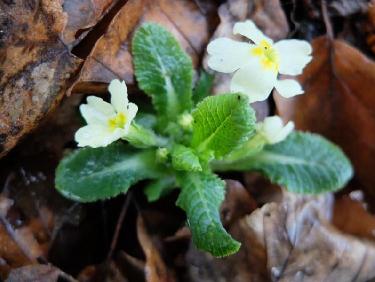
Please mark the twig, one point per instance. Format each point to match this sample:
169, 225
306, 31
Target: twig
327, 21
120, 220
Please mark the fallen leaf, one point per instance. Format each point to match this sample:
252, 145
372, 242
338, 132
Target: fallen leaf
155, 268
339, 103
36, 66
38, 273
261, 188
82, 16
302, 245
108, 272
370, 26
111, 58
11, 256
351, 216
237, 203
347, 8
293, 240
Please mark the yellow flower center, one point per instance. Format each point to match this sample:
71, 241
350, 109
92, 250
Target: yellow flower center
118, 121
267, 54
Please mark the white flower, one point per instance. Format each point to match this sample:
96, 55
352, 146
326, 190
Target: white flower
106, 122
273, 130
257, 65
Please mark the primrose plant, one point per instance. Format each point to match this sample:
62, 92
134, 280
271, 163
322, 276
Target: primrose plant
189, 135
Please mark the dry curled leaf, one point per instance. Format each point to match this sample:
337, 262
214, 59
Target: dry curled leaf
35, 65
39, 273
302, 245
111, 58
339, 103
293, 240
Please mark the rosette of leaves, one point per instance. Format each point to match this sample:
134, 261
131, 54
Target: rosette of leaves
202, 134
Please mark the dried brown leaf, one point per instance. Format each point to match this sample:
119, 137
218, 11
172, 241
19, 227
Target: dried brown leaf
155, 268
370, 26
35, 65
351, 216
39, 273
111, 58
302, 245
237, 203
82, 16
339, 103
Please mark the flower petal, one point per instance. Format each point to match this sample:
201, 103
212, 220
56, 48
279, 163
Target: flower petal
273, 130
288, 88
132, 112
100, 105
91, 115
96, 136
227, 55
250, 30
294, 55
283, 133
271, 125
119, 95
254, 81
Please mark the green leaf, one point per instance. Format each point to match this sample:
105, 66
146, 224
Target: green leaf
221, 123
163, 70
203, 87
201, 197
89, 174
303, 163
160, 187
184, 158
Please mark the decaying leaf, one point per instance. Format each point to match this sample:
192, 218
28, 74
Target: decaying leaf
111, 58
351, 216
346, 8
35, 65
32, 214
82, 16
237, 202
39, 273
370, 27
302, 245
11, 254
339, 102
291, 241
155, 268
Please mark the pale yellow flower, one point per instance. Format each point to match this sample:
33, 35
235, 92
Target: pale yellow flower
256, 64
273, 130
106, 122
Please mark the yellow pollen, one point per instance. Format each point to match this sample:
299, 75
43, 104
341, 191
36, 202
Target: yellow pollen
118, 121
267, 54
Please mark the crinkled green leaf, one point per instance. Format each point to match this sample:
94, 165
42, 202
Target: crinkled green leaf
163, 70
159, 187
203, 87
184, 158
201, 197
90, 174
303, 163
221, 123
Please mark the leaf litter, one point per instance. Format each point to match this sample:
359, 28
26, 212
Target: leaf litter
286, 237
